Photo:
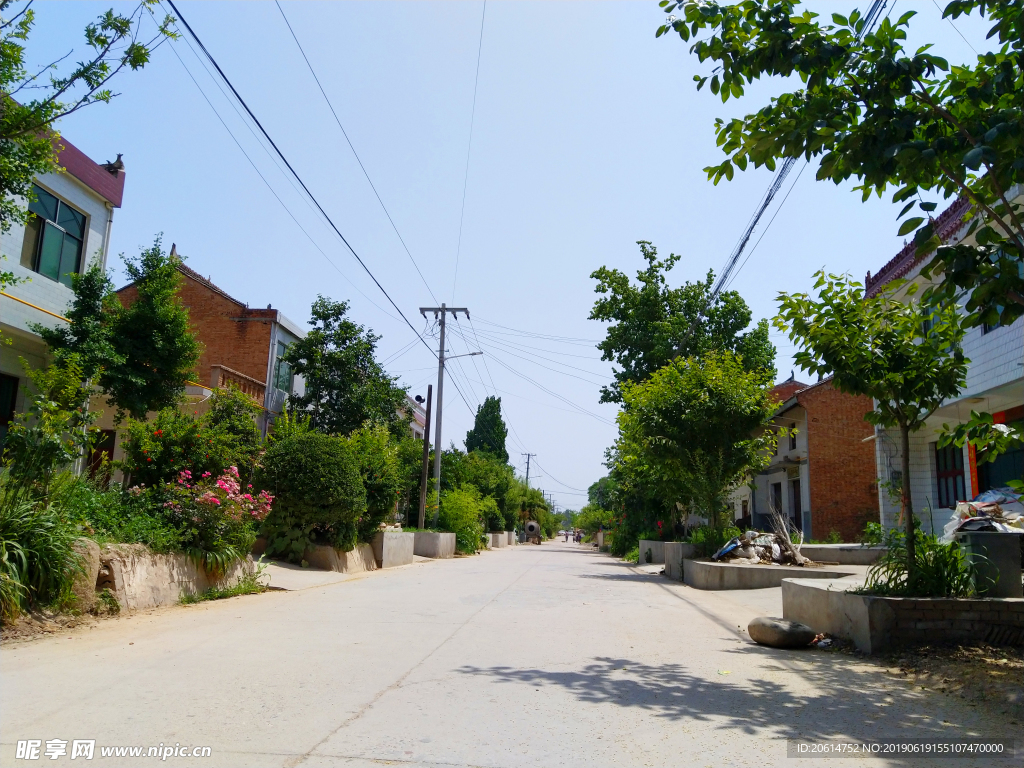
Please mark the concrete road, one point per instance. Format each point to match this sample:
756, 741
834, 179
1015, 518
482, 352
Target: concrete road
530, 656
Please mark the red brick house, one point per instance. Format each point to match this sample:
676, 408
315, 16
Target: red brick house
823, 474
242, 345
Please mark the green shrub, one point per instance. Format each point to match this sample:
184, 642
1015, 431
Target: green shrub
38, 562
318, 490
708, 540
874, 534
376, 450
461, 514
633, 556
233, 414
156, 451
941, 570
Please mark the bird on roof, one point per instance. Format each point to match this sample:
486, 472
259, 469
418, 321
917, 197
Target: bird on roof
114, 167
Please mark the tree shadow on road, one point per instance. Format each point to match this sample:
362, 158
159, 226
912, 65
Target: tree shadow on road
848, 700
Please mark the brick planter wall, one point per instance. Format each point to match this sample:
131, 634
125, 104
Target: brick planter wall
921, 621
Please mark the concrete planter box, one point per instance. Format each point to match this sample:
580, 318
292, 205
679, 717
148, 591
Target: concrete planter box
657, 551
707, 574
511, 537
327, 558
844, 554
140, 579
675, 553
499, 540
996, 556
876, 624
393, 548
436, 545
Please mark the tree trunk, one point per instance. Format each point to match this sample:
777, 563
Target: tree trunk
907, 503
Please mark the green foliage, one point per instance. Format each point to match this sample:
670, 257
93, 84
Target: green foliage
345, 385
289, 424
377, 453
461, 514
872, 110
693, 429
54, 431
633, 555
156, 451
592, 518
905, 354
489, 431
27, 135
601, 493
38, 562
117, 515
651, 324
873, 535
318, 490
233, 414
157, 350
938, 570
707, 539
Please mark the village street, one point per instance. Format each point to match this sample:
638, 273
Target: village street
553, 655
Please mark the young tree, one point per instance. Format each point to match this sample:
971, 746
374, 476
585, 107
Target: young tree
489, 431
652, 323
28, 141
904, 354
345, 385
155, 348
695, 427
871, 110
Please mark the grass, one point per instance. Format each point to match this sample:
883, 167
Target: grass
633, 556
249, 584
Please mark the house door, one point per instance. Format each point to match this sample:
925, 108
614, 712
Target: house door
798, 519
949, 474
776, 498
102, 454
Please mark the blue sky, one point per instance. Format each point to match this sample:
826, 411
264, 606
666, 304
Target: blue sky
588, 136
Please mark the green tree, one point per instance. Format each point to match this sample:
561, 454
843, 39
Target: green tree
903, 353
601, 493
489, 431
652, 323
34, 100
233, 414
695, 426
874, 111
345, 385
155, 349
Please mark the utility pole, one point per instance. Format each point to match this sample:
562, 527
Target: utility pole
528, 455
441, 313
426, 461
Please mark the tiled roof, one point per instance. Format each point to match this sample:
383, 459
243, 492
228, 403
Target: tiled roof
946, 226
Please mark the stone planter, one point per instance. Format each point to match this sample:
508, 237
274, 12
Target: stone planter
327, 558
876, 624
675, 553
139, 579
499, 540
657, 551
844, 554
511, 538
707, 574
436, 545
996, 557
393, 548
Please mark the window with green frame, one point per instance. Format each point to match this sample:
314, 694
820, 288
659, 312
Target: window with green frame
282, 370
53, 237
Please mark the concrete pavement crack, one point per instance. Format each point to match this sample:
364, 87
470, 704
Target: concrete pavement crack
398, 683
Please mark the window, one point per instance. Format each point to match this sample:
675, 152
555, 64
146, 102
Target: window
776, 502
282, 370
949, 474
792, 436
53, 238
796, 503
8, 398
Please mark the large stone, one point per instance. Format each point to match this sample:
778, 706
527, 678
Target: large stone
84, 585
780, 633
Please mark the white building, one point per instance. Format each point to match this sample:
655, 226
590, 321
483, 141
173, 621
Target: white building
68, 230
995, 384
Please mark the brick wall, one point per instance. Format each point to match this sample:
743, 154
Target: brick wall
232, 334
843, 494
999, 621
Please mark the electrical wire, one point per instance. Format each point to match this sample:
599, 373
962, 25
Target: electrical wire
355, 154
469, 149
539, 335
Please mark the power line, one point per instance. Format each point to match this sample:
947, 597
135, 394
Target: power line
559, 481
540, 335
469, 149
350, 146
955, 29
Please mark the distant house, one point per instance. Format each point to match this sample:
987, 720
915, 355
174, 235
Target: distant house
995, 384
822, 475
419, 418
67, 231
243, 346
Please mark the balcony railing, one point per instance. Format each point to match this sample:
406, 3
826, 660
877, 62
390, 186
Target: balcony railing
221, 376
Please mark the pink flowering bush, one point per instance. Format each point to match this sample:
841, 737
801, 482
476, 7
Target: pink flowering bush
217, 517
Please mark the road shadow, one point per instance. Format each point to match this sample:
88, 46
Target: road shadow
850, 701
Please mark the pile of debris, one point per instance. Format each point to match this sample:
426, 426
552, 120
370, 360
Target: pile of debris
999, 511
754, 547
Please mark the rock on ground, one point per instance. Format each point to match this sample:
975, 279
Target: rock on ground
779, 633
